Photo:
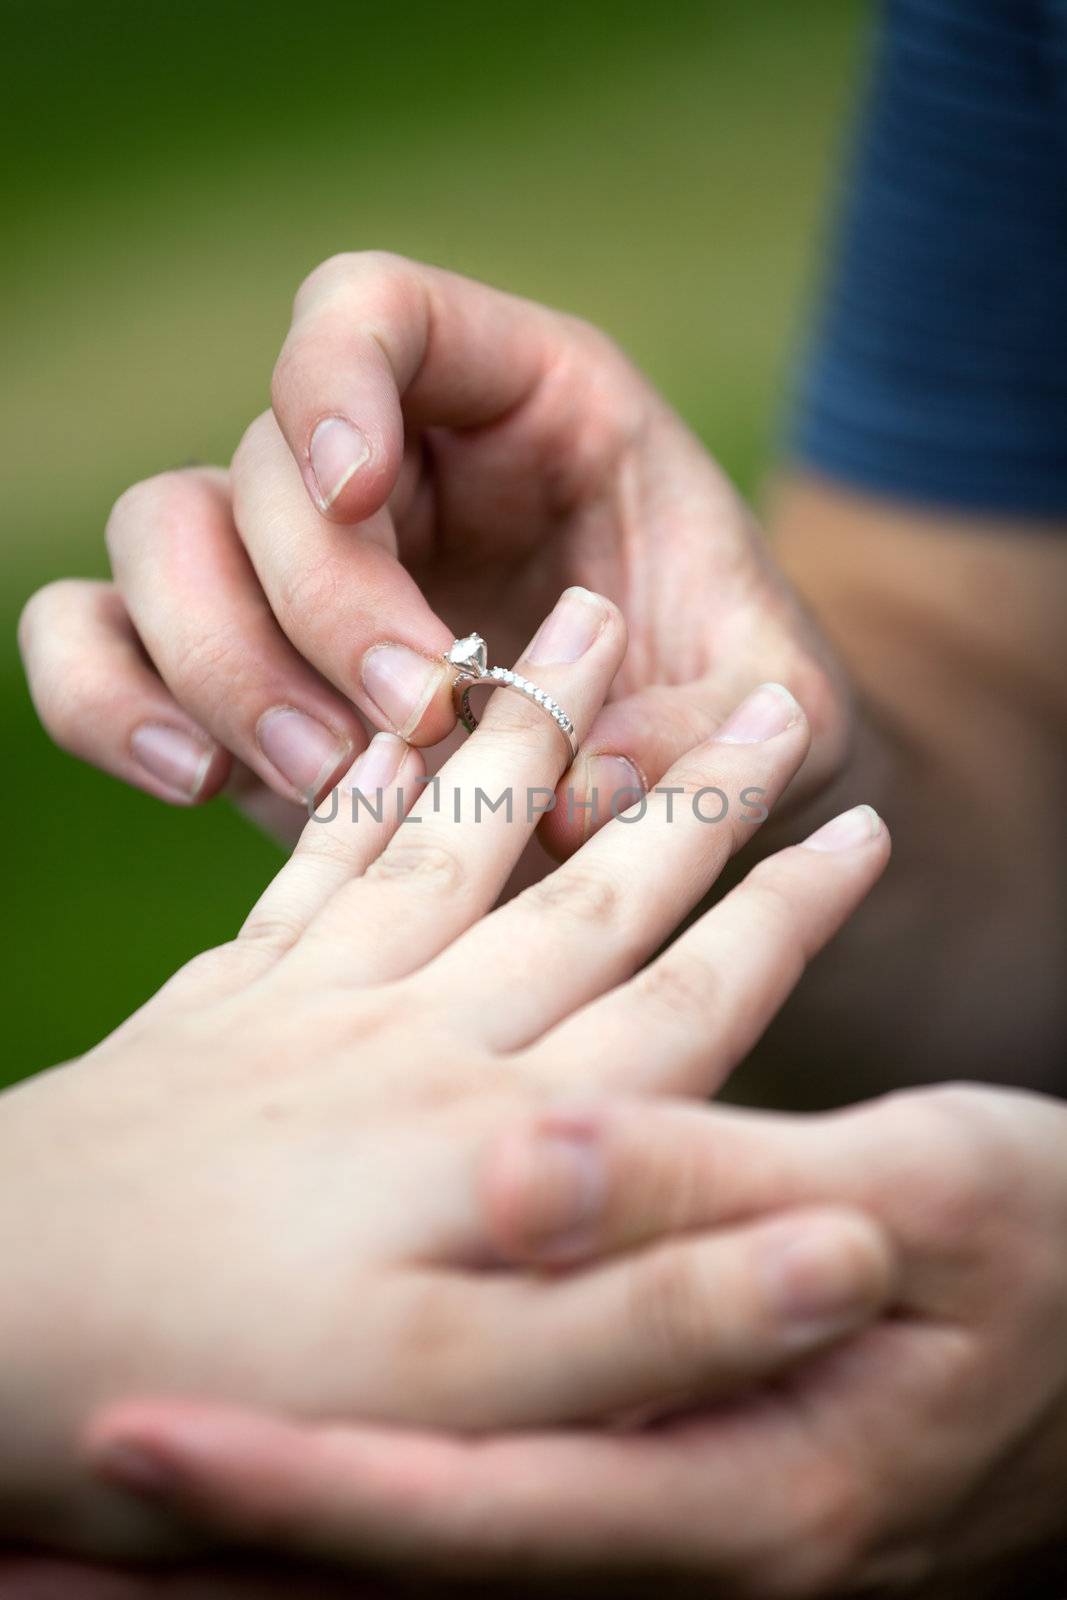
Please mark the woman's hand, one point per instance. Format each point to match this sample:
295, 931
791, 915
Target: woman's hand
266, 1187
926, 1454
439, 454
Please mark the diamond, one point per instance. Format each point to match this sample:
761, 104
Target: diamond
469, 654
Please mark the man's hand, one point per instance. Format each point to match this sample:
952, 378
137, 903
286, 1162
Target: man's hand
930, 1444
441, 457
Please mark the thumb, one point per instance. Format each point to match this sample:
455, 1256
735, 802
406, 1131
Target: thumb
630, 746
636, 740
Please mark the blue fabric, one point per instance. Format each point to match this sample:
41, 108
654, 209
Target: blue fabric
938, 370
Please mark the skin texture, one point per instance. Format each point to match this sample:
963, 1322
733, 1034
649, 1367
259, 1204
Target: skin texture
512, 450
922, 1455
494, 480
271, 1182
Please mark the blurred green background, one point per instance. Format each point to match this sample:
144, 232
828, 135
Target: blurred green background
173, 171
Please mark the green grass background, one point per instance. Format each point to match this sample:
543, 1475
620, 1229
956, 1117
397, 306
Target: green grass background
171, 171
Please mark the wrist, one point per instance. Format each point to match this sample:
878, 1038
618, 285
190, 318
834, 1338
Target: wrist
52, 1313
954, 967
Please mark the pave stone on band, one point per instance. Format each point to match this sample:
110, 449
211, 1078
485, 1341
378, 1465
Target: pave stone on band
470, 658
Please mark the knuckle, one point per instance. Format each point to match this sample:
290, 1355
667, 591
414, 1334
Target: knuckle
272, 930
225, 966
520, 730
678, 983
310, 589
160, 503
676, 1192
982, 1171
43, 610
213, 666
830, 1534
321, 843
774, 882
577, 893
335, 269
963, 1104
284, 376
443, 1085
433, 1329
966, 1175
690, 777
771, 909
253, 449
347, 269
517, 730
439, 1342
429, 866
666, 1307
592, 381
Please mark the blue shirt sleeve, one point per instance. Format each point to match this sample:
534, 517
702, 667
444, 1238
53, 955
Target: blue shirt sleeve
938, 367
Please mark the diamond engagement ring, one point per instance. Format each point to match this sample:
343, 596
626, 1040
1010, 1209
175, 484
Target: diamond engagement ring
470, 659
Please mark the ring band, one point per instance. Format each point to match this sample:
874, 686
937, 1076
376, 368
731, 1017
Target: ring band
469, 657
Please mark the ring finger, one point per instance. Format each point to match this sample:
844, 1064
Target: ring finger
686, 1021
466, 832
594, 920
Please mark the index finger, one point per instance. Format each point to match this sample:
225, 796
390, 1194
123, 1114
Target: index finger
375, 337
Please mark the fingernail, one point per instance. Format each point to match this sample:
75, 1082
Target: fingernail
614, 784
130, 1466
401, 683
768, 710
378, 765
818, 1283
338, 450
569, 629
172, 756
562, 1193
858, 826
303, 750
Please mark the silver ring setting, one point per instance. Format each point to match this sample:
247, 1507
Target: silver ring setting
470, 658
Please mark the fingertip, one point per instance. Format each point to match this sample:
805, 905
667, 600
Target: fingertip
303, 754
545, 1186
336, 452
595, 790
122, 1447
164, 1448
767, 711
387, 762
349, 471
613, 787
438, 716
825, 1272
216, 775
335, 399
177, 764
857, 828
410, 692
